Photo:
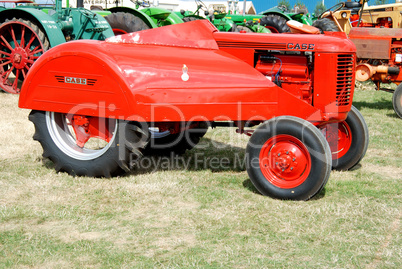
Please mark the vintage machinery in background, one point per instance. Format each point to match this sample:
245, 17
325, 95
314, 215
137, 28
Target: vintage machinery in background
387, 16
275, 19
218, 17
298, 89
135, 16
28, 30
379, 49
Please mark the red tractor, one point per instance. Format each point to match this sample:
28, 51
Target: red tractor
379, 49
96, 105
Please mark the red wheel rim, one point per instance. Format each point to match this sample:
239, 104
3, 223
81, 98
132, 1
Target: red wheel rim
20, 46
339, 137
119, 31
285, 161
272, 29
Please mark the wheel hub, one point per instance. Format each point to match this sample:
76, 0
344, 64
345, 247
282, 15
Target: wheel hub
285, 161
19, 58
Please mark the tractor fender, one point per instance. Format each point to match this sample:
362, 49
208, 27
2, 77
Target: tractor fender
156, 75
143, 16
174, 18
167, 17
44, 21
90, 88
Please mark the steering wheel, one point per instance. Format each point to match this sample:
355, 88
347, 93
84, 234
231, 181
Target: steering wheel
332, 9
283, 8
143, 3
201, 5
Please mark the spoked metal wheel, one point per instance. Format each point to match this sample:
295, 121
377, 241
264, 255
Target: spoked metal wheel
89, 146
21, 43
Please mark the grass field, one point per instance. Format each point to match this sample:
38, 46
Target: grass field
205, 216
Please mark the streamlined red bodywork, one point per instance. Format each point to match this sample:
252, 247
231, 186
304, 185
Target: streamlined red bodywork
173, 81
139, 76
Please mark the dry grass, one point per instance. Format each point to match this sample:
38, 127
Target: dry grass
203, 217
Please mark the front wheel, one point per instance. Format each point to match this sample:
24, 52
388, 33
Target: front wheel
397, 100
288, 158
88, 146
348, 140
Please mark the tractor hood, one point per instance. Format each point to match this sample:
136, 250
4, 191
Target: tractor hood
197, 34
202, 34
328, 42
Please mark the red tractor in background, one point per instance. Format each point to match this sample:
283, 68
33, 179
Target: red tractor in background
379, 49
93, 118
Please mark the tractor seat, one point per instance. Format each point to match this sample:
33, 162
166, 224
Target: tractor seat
300, 28
353, 5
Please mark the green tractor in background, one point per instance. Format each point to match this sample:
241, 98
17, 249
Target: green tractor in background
220, 20
27, 30
128, 17
274, 18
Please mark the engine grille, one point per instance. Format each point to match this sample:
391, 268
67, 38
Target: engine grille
344, 79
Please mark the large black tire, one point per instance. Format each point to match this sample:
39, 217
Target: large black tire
288, 158
176, 143
326, 25
240, 28
123, 23
114, 158
13, 74
187, 19
348, 140
275, 23
397, 100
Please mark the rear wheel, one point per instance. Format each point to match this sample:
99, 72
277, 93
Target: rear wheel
326, 25
88, 146
348, 140
164, 143
288, 158
397, 100
123, 23
275, 23
21, 43
245, 29
187, 19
